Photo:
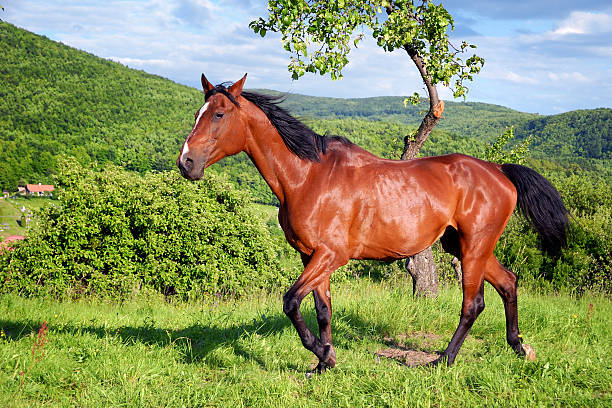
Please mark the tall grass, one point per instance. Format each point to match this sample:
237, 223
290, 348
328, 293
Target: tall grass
239, 353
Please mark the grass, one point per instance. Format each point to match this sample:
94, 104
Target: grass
245, 353
10, 213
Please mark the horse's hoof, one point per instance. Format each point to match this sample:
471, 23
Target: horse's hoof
327, 361
319, 369
530, 354
329, 358
442, 360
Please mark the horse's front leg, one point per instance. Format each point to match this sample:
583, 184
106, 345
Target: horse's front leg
322, 298
316, 274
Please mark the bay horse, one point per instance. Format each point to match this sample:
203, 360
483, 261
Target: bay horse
340, 202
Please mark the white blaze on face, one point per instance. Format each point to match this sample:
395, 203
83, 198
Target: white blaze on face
185, 149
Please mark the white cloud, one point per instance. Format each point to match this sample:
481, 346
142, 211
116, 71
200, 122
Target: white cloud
139, 62
602, 51
568, 76
521, 79
580, 22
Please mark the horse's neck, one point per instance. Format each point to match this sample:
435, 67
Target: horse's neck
282, 169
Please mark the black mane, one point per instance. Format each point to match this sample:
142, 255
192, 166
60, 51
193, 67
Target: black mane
298, 137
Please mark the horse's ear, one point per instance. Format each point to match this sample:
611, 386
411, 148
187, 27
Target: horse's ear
236, 89
207, 86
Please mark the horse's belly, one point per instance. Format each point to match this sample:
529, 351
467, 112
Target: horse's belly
387, 245
396, 234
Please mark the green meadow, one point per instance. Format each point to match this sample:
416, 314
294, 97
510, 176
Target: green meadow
245, 353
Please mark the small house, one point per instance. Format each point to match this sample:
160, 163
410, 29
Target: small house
39, 189
6, 244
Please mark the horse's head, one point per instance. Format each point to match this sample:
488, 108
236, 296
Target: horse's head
219, 130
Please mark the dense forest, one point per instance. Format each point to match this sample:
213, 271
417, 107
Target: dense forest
57, 100
583, 133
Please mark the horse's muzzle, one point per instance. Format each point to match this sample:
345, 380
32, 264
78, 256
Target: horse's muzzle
190, 169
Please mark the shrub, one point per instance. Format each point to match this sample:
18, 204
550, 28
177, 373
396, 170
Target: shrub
113, 232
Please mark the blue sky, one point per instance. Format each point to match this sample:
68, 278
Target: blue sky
541, 56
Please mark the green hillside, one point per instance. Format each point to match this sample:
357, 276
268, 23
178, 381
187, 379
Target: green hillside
481, 120
582, 133
57, 100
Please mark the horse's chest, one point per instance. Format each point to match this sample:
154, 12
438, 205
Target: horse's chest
295, 232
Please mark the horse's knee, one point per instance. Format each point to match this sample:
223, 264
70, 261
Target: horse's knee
323, 312
509, 287
479, 305
324, 318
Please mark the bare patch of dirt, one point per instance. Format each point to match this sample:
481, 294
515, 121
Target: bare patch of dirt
411, 349
410, 358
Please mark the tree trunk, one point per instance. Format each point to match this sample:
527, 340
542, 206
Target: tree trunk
458, 271
422, 268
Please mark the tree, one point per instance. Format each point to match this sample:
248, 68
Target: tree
319, 34
500, 152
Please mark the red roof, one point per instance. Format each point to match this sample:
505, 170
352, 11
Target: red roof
6, 243
39, 188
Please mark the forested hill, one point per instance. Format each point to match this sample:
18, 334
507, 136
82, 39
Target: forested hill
582, 133
481, 120
58, 100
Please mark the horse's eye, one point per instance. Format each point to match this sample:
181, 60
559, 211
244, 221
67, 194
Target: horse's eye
218, 115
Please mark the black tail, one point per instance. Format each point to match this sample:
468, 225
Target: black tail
541, 204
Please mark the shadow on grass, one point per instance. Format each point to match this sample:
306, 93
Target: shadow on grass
205, 339
202, 339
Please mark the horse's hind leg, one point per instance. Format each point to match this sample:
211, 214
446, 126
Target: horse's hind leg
504, 282
473, 305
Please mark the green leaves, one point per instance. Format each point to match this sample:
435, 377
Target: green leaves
499, 153
319, 35
413, 100
114, 231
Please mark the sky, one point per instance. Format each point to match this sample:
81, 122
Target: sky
541, 56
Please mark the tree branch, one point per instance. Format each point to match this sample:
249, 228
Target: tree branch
412, 145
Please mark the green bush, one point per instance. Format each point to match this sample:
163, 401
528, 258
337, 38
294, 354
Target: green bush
586, 262
113, 232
